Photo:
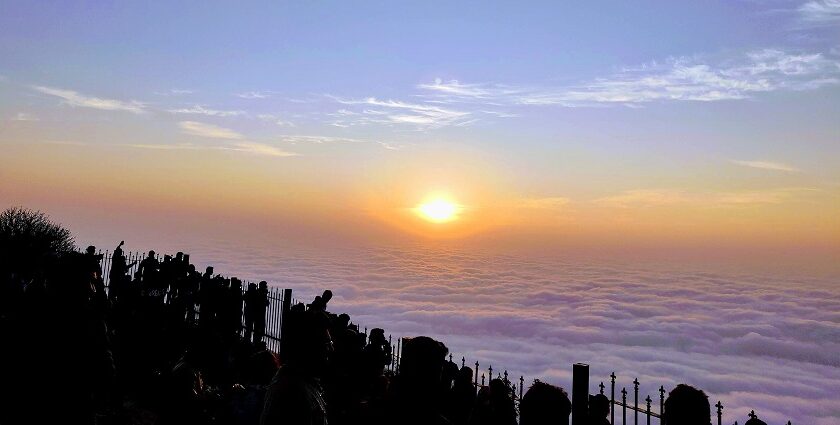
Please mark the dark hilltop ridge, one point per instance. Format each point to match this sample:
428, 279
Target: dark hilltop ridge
115, 337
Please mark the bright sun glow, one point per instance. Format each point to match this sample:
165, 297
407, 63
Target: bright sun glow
438, 210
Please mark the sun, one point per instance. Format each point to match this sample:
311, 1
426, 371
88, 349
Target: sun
438, 210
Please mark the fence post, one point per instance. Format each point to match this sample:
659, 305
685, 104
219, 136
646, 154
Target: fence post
662, 405
719, 406
612, 398
623, 405
476, 376
647, 412
521, 384
287, 305
580, 394
636, 401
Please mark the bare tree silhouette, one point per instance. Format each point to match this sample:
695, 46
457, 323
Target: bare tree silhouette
28, 239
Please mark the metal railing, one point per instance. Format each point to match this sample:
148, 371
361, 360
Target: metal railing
280, 299
273, 312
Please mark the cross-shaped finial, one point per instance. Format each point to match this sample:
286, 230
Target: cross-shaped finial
752, 414
636, 383
601, 386
612, 376
624, 393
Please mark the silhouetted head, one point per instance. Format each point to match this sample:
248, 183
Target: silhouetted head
465, 376
544, 404
179, 255
151, 254
91, 250
377, 336
499, 390
599, 406
422, 362
263, 285
209, 270
343, 320
252, 286
687, 405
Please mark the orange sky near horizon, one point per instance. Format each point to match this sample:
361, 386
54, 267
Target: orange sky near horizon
294, 197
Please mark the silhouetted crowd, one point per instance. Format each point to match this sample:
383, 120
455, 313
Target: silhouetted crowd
171, 345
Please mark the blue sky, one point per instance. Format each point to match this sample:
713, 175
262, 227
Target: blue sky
579, 101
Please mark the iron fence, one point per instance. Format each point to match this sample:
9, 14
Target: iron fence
273, 312
280, 301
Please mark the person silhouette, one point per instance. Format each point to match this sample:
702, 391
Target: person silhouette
149, 270
117, 274
259, 311
251, 299
599, 409
544, 404
462, 397
687, 405
295, 395
416, 395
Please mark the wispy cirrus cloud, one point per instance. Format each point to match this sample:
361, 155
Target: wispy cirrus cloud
674, 197
395, 112
234, 141
23, 116
275, 119
309, 139
201, 110
470, 91
174, 92
765, 165
820, 12
243, 146
253, 95
76, 99
195, 128
260, 149
676, 79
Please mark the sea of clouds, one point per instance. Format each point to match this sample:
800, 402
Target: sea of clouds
751, 340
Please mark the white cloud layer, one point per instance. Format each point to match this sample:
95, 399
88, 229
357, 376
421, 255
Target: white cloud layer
74, 98
762, 342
